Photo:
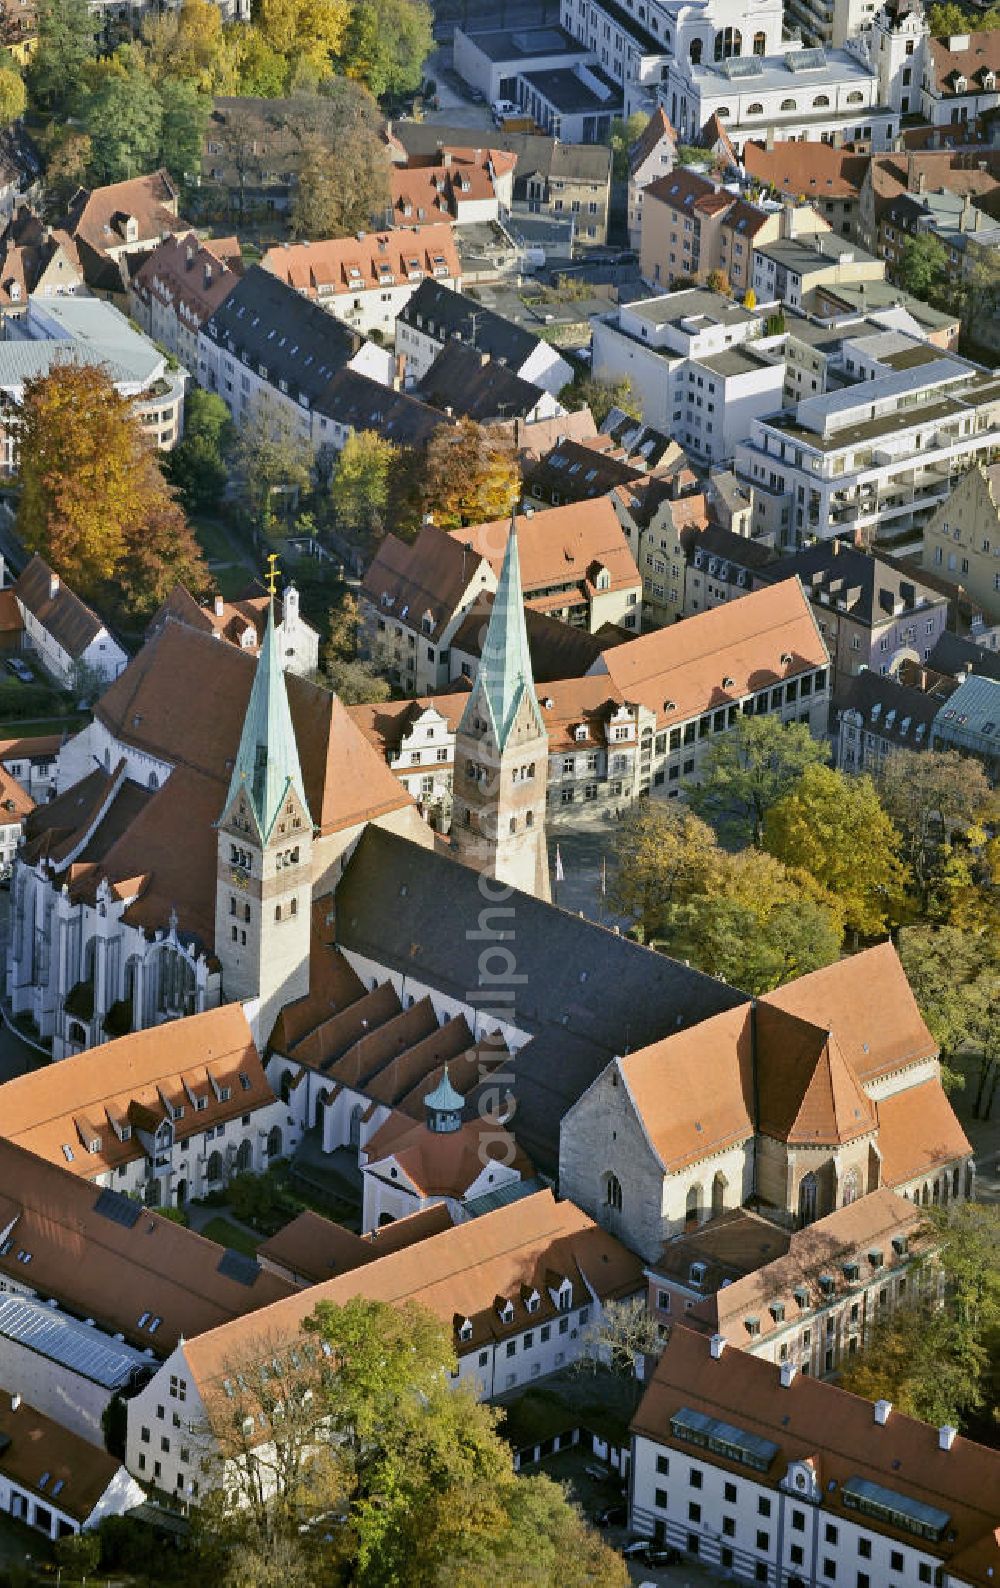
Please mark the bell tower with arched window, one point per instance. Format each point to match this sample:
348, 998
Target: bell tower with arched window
501, 751
264, 881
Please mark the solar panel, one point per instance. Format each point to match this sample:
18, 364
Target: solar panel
118, 1208
86, 1351
234, 1265
742, 66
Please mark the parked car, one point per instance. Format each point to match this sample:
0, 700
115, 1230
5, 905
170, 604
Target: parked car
637, 1549
613, 1516
663, 1555
20, 669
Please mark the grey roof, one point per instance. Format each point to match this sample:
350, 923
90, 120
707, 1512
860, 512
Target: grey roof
737, 550
90, 331
970, 720
520, 44
800, 253
585, 994
896, 712
442, 313
82, 1348
589, 162
469, 382
953, 653
360, 403
570, 93
851, 581
504, 1195
775, 72
264, 321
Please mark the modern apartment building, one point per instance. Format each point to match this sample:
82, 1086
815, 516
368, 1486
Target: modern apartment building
876, 458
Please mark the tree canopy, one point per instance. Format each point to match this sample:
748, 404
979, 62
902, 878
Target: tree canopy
411, 1464
93, 500
835, 828
470, 475
751, 768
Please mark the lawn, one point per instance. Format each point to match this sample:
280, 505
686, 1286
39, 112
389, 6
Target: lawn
217, 541
225, 1233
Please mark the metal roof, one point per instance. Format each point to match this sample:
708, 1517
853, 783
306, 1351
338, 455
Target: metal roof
970, 718
80, 1347
504, 677
876, 1498
267, 762
724, 1438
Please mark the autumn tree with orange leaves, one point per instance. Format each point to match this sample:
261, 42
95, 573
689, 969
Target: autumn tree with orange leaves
93, 501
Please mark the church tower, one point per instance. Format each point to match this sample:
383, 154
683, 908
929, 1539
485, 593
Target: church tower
501, 751
264, 885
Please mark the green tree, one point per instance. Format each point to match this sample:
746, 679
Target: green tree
751, 768
262, 70
124, 121
197, 465
940, 1363
343, 177
923, 268
955, 977
79, 1553
600, 396
67, 41
13, 95
272, 463
623, 135
362, 481
664, 854
184, 118
938, 801
387, 44
834, 827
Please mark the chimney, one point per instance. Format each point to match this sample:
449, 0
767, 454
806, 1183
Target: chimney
15, 1402
921, 182
717, 1345
882, 1410
769, 139
189, 253
208, 275
911, 173
788, 1372
446, 157
966, 223
219, 605
946, 1436
53, 586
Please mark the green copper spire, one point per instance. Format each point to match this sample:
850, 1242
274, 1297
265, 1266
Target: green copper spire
505, 666
267, 762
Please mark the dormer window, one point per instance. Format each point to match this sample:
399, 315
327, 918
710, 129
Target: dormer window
533, 1301
696, 1274
505, 1311
465, 1330
580, 732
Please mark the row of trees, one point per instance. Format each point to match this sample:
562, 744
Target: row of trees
972, 293
113, 115
828, 854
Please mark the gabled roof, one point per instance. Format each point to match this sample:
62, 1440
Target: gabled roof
267, 323
558, 650
970, 56
426, 578
808, 1094
316, 1248
560, 546
366, 262
918, 1133
466, 380
656, 129
105, 1257
90, 1097
190, 277
815, 170
357, 402
96, 216
866, 999
456, 1274
693, 1092
444, 314
503, 680
754, 642
72, 624
57, 1466
812, 1419
445, 1164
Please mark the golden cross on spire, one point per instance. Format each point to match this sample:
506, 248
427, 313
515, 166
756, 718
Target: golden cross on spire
271, 577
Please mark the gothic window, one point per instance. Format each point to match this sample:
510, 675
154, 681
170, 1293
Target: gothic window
728, 42
274, 1142
613, 1192
356, 1114
175, 993
807, 1199
244, 1158
692, 1207
213, 1169
851, 1187
285, 1086
760, 43
719, 1185
695, 52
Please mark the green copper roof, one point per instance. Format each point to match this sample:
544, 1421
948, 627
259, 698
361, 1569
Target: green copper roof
267, 762
505, 665
444, 1098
